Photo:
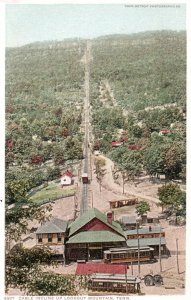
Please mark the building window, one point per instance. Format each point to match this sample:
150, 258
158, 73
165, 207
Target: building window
49, 237
59, 237
39, 238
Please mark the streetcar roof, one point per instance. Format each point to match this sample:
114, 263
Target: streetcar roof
115, 278
123, 249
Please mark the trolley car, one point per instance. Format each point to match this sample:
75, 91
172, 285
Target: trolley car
114, 283
125, 255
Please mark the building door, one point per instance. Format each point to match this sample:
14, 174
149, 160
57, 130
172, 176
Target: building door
95, 254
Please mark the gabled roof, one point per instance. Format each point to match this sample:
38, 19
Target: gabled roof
165, 130
90, 215
53, 226
95, 237
129, 219
67, 173
94, 268
115, 144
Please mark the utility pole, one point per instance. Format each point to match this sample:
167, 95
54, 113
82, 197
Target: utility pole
92, 198
126, 278
90, 165
131, 267
138, 248
177, 257
160, 251
123, 182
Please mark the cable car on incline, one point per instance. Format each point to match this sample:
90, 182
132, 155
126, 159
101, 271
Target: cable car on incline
85, 178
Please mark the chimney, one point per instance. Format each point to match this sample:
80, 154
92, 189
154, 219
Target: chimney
110, 217
150, 228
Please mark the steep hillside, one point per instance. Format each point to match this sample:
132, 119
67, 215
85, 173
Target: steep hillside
144, 69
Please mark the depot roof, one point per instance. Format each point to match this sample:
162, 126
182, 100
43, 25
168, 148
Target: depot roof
95, 237
94, 268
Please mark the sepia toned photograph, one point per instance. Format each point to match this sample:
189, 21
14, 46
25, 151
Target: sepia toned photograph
95, 149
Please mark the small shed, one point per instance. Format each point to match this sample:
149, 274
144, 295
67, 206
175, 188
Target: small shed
150, 217
123, 202
130, 222
164, 132
117, 144
67, 178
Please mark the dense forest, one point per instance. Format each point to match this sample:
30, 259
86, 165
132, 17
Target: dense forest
138, 88
44, 82
144, 69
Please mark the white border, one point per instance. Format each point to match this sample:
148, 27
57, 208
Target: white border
2, 122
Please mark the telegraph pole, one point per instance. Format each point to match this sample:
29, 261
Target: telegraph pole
160, 251
177, 257
138, 249
126, 278
131, 267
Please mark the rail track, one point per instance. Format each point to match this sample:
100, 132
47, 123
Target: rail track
84, 206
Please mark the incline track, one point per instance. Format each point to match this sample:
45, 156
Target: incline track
84, 206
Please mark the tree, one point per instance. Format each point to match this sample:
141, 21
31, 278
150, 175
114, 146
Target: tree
53, 173
59, 156
154, 159
65, 132
36, 159
100, 171
171, 197
16, 190
17, 217
25, 269
73, 148
131, 162
175, 160
142, 208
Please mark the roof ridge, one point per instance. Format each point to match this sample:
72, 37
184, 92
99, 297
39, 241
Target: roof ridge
94, 213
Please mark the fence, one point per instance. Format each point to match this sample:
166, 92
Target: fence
50, 200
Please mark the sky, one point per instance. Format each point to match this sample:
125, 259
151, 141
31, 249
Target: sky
27, 23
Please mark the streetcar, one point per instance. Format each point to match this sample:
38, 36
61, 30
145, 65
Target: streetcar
128, 255
114, 283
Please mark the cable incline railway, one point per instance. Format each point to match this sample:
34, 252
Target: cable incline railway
85, 180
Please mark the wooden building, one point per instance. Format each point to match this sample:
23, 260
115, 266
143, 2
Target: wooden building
117, 144
130, 222
164, 132
150, 218
153, 237
51, 232
67, 178
92, 233
123, 202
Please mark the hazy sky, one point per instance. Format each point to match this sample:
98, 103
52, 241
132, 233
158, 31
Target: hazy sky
26, 23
